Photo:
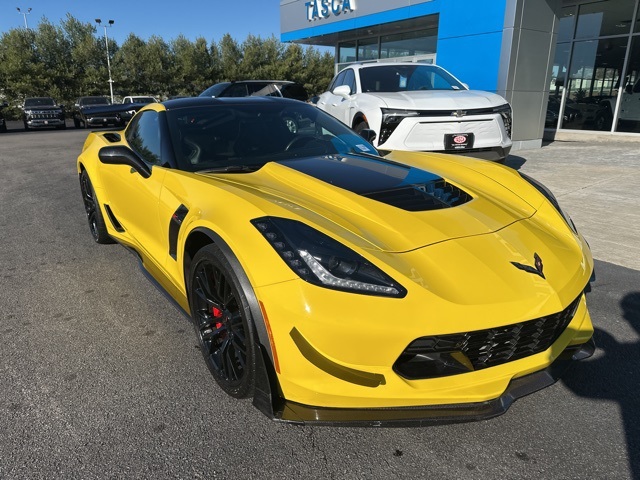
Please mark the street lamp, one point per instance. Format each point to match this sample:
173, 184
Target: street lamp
24, 15
106, 44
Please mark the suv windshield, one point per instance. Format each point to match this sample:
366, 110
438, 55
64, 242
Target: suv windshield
403, 78
39, 102
94, 101
244, 136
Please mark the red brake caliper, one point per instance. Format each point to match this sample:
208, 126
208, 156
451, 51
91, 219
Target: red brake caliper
217, 313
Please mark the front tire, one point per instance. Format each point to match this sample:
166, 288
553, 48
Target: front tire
92, 209
363, 125
222, 320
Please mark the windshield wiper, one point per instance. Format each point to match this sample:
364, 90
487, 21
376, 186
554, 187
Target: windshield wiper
231, 169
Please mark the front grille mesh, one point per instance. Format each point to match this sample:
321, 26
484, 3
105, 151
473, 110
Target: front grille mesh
421, 197
493, 346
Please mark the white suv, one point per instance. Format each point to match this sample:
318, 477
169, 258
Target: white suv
420, 107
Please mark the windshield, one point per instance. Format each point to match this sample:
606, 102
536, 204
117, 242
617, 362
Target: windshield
94, 101
215, 90
39, 102
244, 137
404, 78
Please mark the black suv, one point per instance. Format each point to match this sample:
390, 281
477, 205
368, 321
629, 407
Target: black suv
259, 88
84, 114
42, 112
3, 123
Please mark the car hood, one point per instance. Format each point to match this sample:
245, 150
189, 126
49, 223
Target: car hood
439, 99
367, 198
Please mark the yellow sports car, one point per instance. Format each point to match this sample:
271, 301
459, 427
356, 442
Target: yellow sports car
335, 285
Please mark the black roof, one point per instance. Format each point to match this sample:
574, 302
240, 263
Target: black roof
204, 101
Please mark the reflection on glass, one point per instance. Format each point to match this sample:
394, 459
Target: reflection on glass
605, 18
567, 24
368, 49
558, 74
407, 44
629, 116
594, 79
347, 52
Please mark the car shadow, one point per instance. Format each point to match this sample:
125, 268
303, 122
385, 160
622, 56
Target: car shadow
614, 374
515, 162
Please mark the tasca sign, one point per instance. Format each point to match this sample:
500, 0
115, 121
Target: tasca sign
321, 9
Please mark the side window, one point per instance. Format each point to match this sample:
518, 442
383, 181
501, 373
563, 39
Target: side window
144, 137
338, 81
127, 100
236, 90
350, 80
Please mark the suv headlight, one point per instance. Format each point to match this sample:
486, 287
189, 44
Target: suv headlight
551, 197
391, 118
507, 117
323, 261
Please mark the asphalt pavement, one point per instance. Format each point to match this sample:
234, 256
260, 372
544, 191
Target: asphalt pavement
100, 376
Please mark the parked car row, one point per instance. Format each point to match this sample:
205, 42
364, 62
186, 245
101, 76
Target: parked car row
400, 106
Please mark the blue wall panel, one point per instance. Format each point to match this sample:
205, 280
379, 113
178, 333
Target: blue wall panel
470, 40
469, 35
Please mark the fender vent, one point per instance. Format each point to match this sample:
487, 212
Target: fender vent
112, 137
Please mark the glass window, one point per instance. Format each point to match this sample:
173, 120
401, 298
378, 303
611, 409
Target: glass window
594, 77
237, 90
629, 116
143, 136
420, 42
605, 18
350, 80
347, 52
244, 137
368, 49
567, 24
401, 78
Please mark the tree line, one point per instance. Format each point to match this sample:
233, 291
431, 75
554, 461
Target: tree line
69, 60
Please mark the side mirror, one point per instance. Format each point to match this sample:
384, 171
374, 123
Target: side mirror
343, 91
369, 135
314, 100
628, 89
120, 155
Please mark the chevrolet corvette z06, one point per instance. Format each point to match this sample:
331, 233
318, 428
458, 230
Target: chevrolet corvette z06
333, 285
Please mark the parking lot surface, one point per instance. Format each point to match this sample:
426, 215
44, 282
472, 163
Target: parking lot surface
100, 376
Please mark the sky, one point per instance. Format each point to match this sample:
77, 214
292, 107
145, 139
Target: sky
209, 19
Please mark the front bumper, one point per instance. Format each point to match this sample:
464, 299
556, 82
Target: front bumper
50, 122
103, 120
427, 134
292, 412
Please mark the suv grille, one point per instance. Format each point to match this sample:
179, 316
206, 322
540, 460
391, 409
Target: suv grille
490, 347
44, 115
428, 196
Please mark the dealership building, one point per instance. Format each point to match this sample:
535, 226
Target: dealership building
564, 65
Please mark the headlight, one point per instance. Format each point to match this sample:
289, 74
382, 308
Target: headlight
323, 261
551, 197
391, 118
507, 117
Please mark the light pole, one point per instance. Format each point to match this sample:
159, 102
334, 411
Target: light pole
24, 15
106, 44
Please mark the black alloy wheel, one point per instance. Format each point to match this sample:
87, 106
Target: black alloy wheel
222, 320
94, 215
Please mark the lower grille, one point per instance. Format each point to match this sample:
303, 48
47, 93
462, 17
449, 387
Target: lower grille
483, 348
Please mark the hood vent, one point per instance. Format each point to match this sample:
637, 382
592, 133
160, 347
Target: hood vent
422, 197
